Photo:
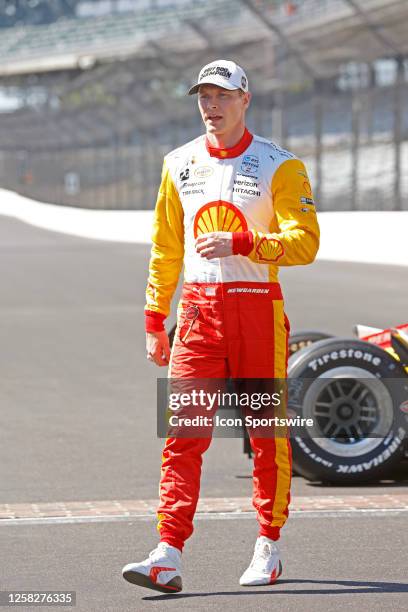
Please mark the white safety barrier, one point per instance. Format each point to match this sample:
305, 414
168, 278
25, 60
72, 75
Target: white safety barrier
368, 237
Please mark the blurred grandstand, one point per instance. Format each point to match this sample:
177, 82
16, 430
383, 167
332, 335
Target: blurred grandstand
92, 93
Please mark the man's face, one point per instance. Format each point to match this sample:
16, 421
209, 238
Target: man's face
222, 110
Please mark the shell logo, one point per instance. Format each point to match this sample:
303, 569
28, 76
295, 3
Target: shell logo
269, 250
219, 216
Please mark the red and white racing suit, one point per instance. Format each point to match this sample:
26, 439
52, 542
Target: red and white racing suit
262, 194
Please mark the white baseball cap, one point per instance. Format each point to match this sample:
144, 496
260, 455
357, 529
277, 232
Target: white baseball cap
223, 73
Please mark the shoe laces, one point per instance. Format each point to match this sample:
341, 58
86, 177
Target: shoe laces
263, 552
162, 550
158, 552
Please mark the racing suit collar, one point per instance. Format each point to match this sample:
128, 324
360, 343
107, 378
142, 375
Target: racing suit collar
234, 151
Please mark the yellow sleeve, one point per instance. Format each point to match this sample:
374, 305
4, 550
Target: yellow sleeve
166, 260
294, 237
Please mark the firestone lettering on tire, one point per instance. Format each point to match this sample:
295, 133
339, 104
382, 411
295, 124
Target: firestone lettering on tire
344, 354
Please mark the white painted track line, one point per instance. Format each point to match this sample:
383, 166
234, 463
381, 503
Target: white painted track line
226, 516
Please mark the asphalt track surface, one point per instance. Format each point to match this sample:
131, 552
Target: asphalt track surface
77, 402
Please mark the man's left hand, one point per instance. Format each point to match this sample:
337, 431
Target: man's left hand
214, 244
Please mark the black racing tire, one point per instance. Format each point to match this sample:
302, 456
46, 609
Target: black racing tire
297, 341
366, 371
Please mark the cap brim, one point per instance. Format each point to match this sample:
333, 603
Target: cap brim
195, 88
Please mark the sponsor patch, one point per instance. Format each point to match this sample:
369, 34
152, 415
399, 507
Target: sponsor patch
307, 201
214, 70
247, 186
203, 171
246, 182
251, 192
192, 192
246, 290
185, 174
280, 151
210, 291
250, 164
245, 177
269, 250
219, 216
193, 184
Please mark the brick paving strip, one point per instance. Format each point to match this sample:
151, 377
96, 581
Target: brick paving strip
210, 505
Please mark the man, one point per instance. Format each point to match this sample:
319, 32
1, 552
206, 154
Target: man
233, 207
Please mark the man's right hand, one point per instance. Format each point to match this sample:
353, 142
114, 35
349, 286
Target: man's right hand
158, 347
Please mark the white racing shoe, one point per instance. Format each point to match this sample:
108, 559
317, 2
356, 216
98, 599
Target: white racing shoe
161, 571
265, 567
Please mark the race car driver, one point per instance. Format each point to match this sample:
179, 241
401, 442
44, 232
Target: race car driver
232, 207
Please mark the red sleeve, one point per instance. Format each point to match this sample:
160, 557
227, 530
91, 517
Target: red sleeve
242, 243
154, 321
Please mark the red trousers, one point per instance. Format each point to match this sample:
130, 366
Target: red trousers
236, 330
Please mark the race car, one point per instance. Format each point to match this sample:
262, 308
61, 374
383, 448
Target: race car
355, 391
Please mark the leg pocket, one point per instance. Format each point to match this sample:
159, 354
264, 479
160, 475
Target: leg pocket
188, 318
